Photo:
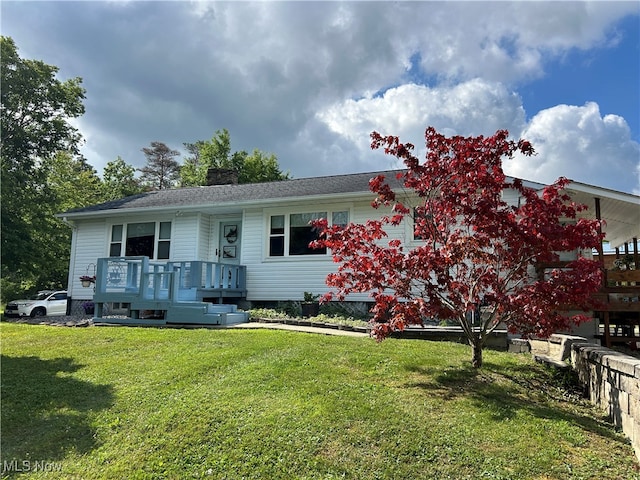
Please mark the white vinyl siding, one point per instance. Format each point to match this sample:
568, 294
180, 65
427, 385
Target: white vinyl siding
203, 242
252, 237
193, 237
286, 278
184, 238
510, 196
89, 246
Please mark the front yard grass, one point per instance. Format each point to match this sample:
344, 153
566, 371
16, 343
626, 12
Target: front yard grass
94, 403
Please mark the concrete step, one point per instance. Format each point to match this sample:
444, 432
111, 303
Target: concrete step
552, 362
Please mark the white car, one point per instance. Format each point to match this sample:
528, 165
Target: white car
46, 302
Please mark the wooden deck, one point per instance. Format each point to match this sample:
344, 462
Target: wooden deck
619, 313
170, 292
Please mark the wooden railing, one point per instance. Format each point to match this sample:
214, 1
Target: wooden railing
123, 279
198, 280
620, 311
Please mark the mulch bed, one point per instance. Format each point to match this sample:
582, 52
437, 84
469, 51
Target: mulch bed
57, 321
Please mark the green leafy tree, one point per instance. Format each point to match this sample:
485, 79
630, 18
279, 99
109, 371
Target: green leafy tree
119, 181
191, 170
71, 183
216, 153
35, 111
261, 167
162, 170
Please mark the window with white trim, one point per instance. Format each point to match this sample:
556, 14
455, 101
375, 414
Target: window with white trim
150, 239
290, 234
418, 214
115, 247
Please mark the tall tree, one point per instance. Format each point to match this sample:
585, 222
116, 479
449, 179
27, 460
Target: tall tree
35, 111
260, 167
118, 180
476, 256
192, 172
71, 183
162, 170
216, 153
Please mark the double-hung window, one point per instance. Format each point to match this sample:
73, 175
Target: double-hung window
150, 239
290, 234
419, 215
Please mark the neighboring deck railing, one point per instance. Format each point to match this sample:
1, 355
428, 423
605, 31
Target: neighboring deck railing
619, 298
620, 313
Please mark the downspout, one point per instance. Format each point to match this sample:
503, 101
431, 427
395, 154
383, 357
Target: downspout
72, 256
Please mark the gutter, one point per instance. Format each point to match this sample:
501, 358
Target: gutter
259, 203
72, 256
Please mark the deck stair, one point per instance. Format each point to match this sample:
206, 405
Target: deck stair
168, 293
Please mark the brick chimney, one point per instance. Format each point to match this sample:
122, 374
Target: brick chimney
222, 176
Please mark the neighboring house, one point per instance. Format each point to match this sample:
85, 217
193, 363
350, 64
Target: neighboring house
265, 228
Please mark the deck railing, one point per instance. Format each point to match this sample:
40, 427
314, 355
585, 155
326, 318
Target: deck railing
618, 312
196, 280
121, 279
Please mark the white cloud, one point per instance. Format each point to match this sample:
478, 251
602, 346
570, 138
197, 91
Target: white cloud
470, 108
332, 50
581, 144
475, 107
570, 141
299, 78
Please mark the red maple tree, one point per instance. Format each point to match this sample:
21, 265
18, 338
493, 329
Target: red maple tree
473, 259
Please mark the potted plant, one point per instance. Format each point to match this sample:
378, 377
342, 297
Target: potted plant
87, 280
624, 263
310, 305
88, 308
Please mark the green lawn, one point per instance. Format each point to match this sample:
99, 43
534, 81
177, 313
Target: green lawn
92, 403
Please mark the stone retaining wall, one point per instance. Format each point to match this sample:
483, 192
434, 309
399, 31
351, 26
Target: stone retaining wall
613, 383
611, 379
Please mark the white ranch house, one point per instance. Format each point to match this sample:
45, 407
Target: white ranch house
188, 252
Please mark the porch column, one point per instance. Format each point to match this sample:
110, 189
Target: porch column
599, 218
607, 333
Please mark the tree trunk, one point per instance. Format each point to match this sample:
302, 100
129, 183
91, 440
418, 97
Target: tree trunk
476, 359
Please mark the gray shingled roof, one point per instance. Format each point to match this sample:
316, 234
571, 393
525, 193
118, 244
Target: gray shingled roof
226, 194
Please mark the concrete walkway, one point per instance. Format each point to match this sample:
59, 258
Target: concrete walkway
299, 328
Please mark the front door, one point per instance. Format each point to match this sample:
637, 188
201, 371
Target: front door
229, 244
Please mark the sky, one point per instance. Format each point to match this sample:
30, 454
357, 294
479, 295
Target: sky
309, 81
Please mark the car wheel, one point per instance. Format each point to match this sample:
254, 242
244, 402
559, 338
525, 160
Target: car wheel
38, 312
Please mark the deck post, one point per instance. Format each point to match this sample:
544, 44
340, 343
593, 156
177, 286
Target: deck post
607, 333
599, 218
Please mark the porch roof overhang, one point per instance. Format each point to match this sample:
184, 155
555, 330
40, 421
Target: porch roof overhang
619, 211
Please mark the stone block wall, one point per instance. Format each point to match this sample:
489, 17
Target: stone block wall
612, 380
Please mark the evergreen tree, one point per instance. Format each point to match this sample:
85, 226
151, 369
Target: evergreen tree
162, 170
